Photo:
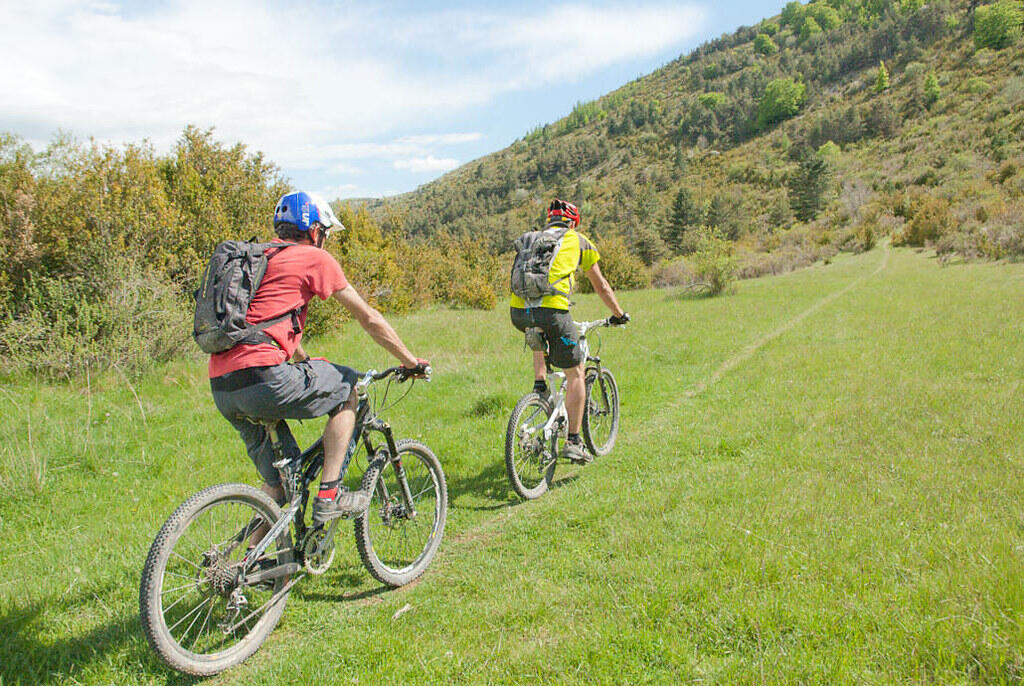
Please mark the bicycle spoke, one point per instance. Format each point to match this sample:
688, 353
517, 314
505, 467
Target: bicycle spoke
171, 629
175, 553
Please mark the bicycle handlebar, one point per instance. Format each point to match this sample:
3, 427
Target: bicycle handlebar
584, 327
403, 373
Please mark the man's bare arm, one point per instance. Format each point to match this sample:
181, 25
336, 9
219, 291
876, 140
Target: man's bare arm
603, 290
373, 323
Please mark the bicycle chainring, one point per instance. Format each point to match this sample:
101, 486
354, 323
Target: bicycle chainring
318, 549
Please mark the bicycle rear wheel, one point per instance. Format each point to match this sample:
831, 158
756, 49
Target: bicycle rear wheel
196, 614
601, 418
529, 460
395, 546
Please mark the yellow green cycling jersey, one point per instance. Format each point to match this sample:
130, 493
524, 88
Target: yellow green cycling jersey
576, 251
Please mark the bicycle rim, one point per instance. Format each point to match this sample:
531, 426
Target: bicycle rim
394, 546
601, 419
529, 461
196, 615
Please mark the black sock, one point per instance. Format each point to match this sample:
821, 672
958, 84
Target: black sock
574, 438
540, 386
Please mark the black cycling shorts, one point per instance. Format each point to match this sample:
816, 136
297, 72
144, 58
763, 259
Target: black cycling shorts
563, 340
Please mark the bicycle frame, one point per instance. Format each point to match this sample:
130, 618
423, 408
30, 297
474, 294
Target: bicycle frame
298, 473
559, 414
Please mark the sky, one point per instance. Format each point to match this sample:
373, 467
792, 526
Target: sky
349, 99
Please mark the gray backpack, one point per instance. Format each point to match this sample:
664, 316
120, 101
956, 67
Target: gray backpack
225, 291
531, 270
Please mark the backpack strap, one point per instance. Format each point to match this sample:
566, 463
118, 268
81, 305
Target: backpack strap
257, 334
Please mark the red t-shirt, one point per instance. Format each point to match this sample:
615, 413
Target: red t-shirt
294, 275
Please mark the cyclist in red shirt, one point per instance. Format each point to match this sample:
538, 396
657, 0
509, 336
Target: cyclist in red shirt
256, 381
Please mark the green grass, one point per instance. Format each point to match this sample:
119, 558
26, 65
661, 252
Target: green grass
818, 480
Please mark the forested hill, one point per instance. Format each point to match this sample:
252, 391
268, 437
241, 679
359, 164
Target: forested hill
829, 125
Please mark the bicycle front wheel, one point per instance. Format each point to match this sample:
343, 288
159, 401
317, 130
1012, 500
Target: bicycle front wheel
197, 614
601, 418
397, 545
529, 459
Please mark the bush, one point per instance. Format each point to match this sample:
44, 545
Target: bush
122, 315
764, 45
998, 25
782, 99
714, 263
624, 270
930, 219
711, 100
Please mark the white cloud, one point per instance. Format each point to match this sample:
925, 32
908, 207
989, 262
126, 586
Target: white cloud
427, 164
442, 138
123, 72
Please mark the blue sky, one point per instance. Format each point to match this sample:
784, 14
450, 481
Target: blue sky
349, 99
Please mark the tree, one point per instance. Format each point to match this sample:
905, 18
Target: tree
725, 213
793, 15
932, 90
809, 185
810, 28
999, 25
686, 215
782, 99
764, 45
882, 80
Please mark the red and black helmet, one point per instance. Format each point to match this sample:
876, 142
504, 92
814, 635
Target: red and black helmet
559, 210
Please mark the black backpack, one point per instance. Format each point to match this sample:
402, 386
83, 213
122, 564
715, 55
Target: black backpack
225, 291
535, 253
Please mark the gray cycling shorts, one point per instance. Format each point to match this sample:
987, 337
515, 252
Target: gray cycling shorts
286, 391
563, 340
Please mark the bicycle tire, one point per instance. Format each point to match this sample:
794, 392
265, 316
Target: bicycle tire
238, 507
383, 534
601, 415
530, 457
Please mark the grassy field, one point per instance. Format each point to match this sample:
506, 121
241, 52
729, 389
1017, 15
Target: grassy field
818, 480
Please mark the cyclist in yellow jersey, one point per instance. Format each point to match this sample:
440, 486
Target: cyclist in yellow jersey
549, 317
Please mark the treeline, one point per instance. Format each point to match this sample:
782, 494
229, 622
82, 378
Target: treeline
101, 247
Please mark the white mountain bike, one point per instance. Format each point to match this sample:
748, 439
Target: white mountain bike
539, 423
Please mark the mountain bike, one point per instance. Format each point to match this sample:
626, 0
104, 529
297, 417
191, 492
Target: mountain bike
214, 584
539, 423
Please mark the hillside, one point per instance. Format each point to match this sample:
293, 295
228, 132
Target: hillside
781, 137
817, 480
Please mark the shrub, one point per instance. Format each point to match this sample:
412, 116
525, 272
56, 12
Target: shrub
764, 45
782, 99
712, 99
998, 25
714, 262
809, 29
623, 269
123, 315
882, 78
930, 219
932, 90
976, 85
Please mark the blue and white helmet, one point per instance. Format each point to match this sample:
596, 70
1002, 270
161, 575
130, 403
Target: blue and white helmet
303, 210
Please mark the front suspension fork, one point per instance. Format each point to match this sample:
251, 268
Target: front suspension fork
396, 463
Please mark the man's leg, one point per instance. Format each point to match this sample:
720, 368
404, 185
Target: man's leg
574, 398
329, 503
540, 372
337, 435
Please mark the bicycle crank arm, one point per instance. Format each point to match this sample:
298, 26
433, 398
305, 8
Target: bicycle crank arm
272, 573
